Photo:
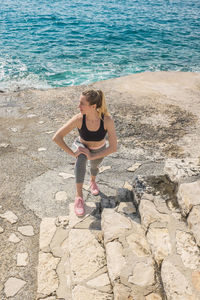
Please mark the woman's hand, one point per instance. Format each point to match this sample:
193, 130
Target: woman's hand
86, 152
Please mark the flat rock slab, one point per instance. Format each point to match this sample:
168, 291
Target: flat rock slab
87, 255
13, 285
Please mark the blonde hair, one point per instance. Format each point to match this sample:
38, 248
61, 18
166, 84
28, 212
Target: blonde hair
97, 97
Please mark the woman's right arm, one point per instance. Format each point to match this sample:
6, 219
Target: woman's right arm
58, 137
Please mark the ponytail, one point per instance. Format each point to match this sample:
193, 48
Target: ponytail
102, 109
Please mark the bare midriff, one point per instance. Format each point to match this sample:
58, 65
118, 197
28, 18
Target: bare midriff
93, 144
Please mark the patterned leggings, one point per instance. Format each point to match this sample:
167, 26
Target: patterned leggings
81, 161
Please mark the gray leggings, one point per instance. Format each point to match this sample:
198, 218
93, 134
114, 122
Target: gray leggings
81, 161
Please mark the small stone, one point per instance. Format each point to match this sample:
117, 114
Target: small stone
31, 115
49, 132
13, 129
194, 223
13, 238
26, 230
86, 187
9, 216
1, 229
13, 285
42, 149
134, 167
4, 145
41, 122
66, 175
127, 208
196, 279
104, 168
61, 196
22, 259
21, 148
188, 196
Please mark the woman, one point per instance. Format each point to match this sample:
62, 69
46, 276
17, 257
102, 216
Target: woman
93, 123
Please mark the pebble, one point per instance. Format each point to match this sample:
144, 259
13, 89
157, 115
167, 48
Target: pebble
22, 259
42, 149
26, 230
13, 285
49, 132
31, 115
4, 145
41, 122
13, 238
9, 216
1, 229
13, 129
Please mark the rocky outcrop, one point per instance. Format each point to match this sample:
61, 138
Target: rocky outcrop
145, 247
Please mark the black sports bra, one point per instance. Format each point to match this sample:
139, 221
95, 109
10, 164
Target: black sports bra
88, 135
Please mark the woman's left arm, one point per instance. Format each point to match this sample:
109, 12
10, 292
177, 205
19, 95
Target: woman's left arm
112, 139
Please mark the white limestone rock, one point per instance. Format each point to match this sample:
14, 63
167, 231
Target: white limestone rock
13, 238
9, 216
188, 195
47, 231
26, 230
13, 285
194, 223
128, 186
134, 167
42, 149
113, 224
1, 229
143, 274
81, 292
87, 255
22, 259
104, 168
187, 249
176, 285
47, 276
149, 214
159, 241
61, 196
115, 259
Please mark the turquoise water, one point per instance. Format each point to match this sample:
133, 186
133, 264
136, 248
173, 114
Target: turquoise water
58, 43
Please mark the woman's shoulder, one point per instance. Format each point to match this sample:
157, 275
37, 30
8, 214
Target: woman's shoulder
108, 121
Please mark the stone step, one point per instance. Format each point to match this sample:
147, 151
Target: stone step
89, 276
131, 267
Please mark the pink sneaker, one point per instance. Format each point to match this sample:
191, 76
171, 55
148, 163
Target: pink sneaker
79, 206
94, 188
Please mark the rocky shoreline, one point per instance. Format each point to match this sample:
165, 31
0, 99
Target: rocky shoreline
157, 117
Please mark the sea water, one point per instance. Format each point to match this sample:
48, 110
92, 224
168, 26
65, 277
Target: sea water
56, 43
